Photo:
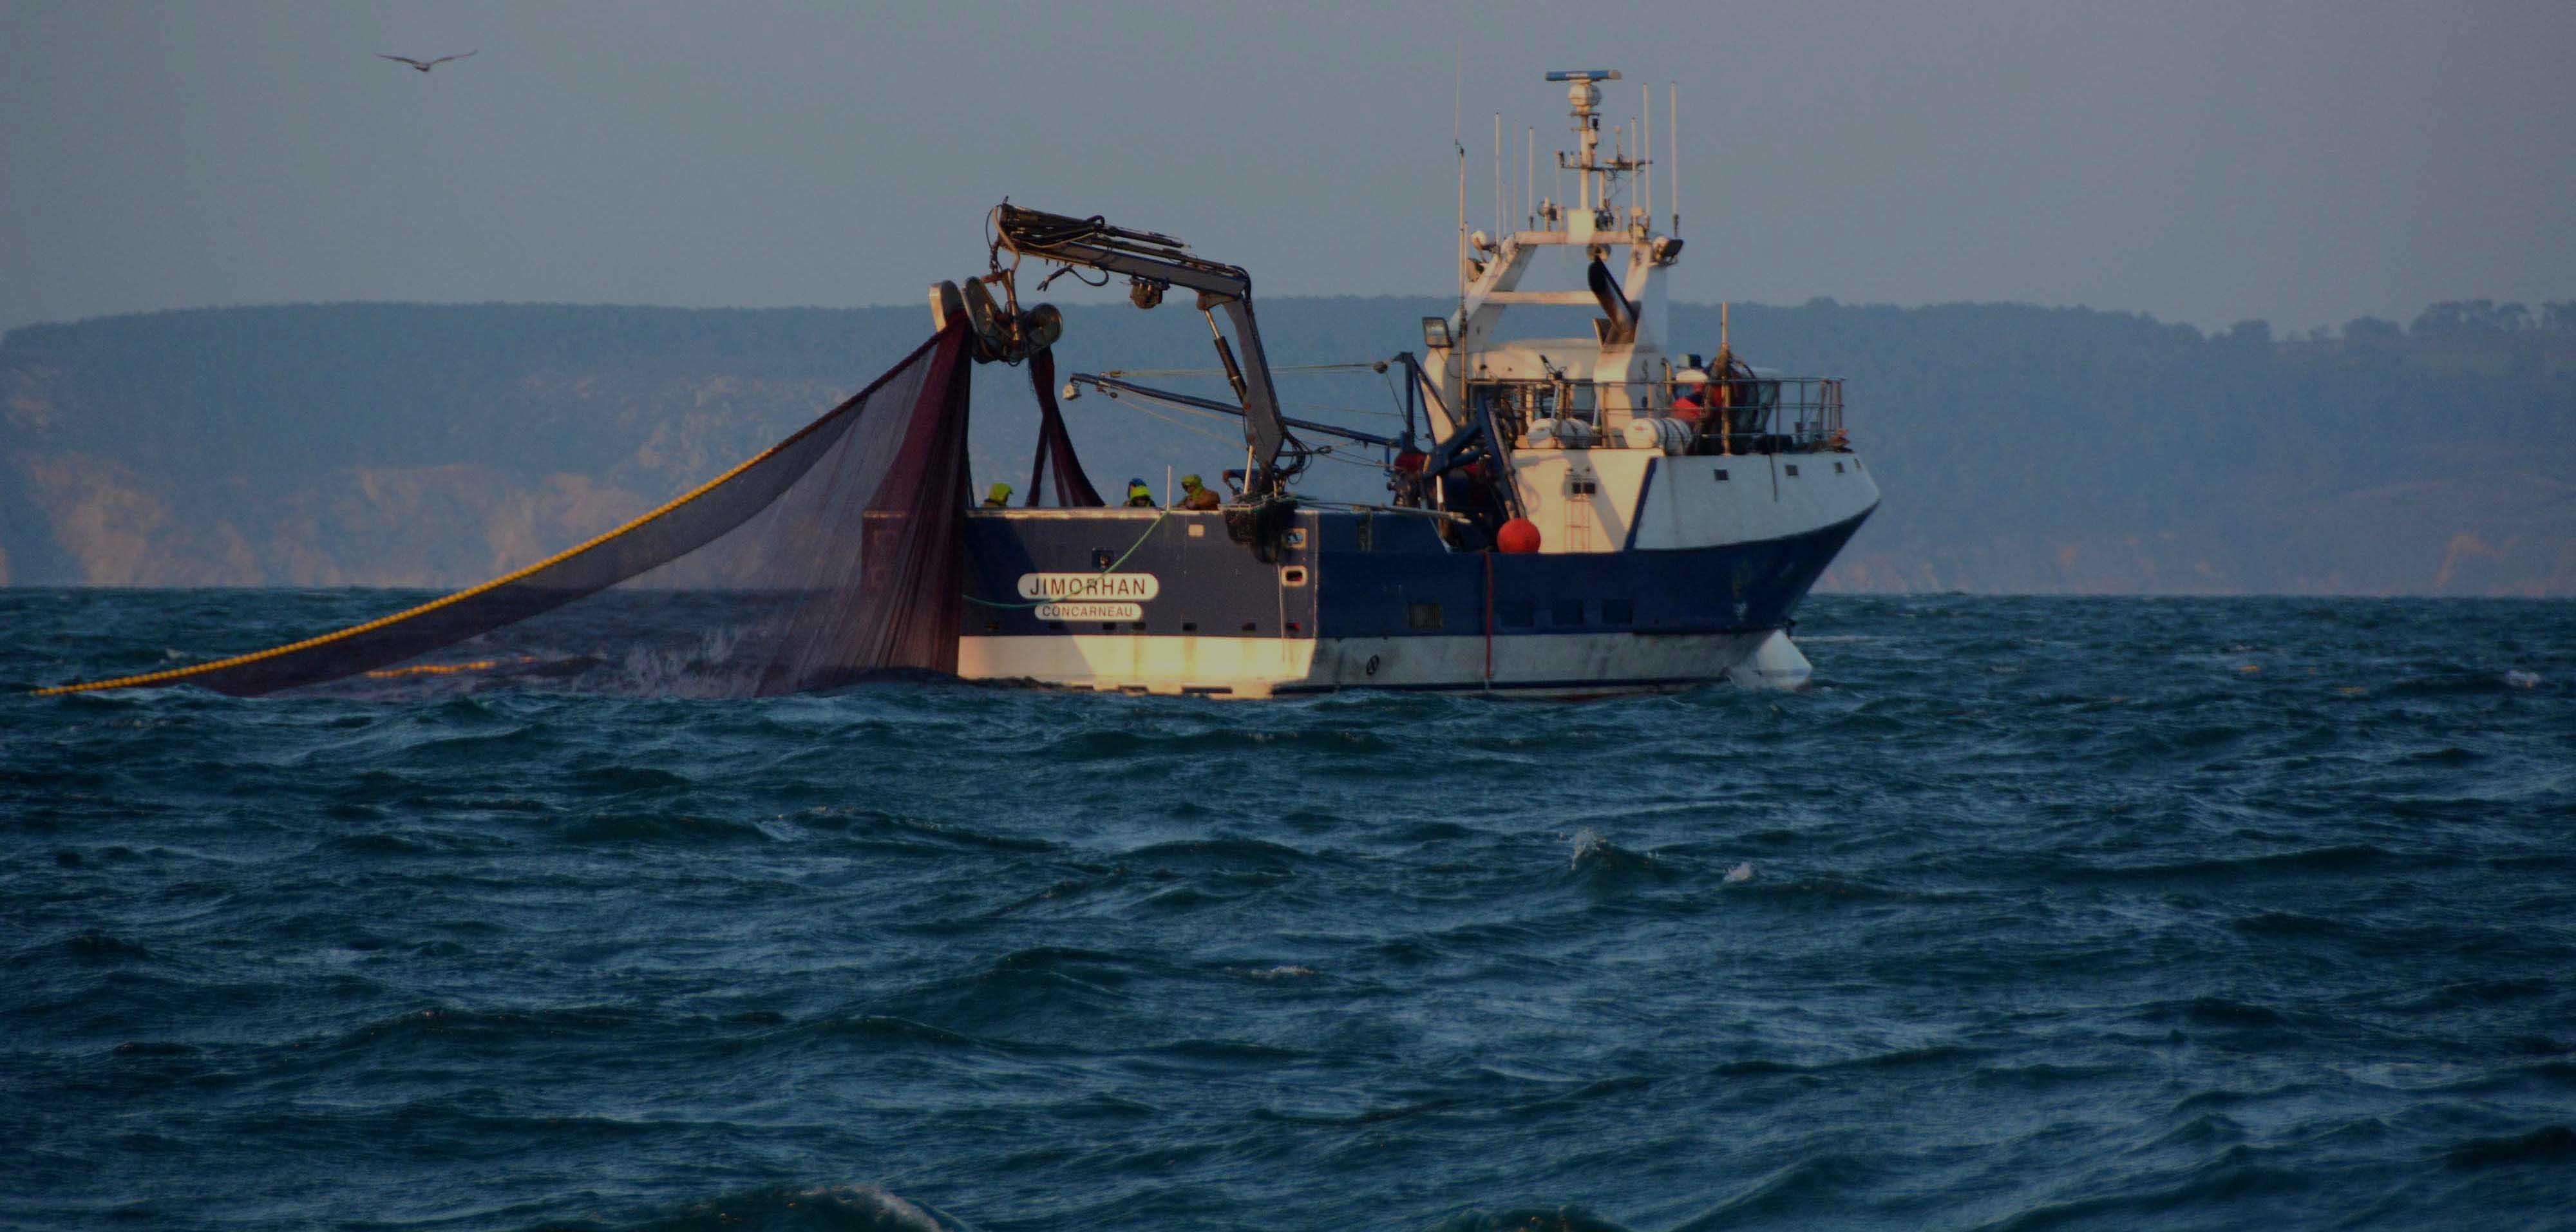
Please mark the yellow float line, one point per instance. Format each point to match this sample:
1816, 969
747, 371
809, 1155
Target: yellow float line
446, 669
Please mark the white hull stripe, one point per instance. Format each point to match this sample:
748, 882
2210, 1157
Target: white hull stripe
1258, 667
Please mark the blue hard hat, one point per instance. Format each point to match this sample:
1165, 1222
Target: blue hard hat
1135, 483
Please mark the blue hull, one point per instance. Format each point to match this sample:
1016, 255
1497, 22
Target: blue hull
1380, 585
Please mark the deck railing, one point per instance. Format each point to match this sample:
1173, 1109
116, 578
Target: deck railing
1773, 414
1766, 414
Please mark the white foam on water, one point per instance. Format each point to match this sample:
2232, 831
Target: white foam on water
878, 1206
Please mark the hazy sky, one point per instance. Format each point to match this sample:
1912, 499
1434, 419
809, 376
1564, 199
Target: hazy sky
2303, 162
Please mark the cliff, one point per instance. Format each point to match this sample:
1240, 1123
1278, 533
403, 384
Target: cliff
2022, 449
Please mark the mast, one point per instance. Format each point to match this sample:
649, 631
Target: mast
1592, 176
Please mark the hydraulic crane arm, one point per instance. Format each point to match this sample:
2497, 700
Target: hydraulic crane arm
1153, 262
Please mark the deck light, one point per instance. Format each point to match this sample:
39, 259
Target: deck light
1435, 333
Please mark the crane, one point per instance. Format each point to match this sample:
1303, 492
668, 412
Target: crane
1153, 262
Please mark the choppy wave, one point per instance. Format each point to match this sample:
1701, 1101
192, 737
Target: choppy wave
2032, 914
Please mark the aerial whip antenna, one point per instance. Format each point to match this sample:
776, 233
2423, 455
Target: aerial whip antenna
1646, 154
1458, 140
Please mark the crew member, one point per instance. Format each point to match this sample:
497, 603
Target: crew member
1138, 495
1690, 406
1196, 495
1725, 393
999, 497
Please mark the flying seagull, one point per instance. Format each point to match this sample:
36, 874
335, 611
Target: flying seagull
421, 65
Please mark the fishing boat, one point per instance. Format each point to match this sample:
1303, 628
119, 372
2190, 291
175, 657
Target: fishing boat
1561, 516
1566, 516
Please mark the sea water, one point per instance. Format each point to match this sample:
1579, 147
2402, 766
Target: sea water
2064, 913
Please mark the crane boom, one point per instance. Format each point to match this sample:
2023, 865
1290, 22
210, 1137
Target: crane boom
1155, 261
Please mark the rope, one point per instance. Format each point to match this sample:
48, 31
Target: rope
1140, 402
1171, 372
1399, 510
1326, 453
1113, 568
1151, 413
1337, 407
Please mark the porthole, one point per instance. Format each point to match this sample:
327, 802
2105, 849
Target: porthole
1719, 474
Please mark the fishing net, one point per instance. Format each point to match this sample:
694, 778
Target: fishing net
1073, 488
828, 558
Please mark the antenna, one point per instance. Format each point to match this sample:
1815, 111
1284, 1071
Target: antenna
1498, 173
1585, 96
1646, 156
1646, 184
1673, 140
1458, 139
1529, 176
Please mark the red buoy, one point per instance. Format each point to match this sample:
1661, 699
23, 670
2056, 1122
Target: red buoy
1520, 535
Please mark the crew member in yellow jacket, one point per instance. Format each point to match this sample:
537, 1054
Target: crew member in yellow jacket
1195, 495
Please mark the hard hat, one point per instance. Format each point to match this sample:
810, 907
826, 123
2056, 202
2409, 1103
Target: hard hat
1001, 491
1189, 481
1134, 484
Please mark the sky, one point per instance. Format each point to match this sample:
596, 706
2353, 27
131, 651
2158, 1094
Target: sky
2298, 161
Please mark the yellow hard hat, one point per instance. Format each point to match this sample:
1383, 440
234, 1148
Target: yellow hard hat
1001, 491
1190, 481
